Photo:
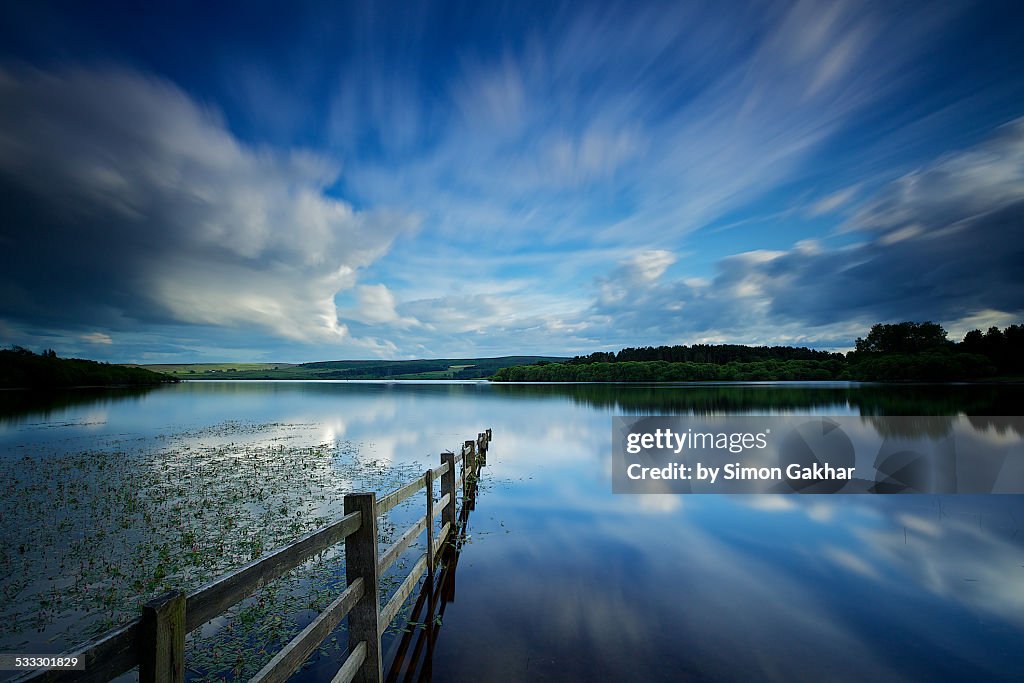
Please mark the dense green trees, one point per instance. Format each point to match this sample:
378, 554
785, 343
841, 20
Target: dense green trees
941, 365
664, 371
1004, 348
21, 368
906, 351
921, 351
905, 337
708, 353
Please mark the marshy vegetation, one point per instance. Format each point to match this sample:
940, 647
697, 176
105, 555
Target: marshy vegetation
91, 534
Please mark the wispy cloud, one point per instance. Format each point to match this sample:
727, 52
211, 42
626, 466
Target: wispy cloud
832, 202
407, 181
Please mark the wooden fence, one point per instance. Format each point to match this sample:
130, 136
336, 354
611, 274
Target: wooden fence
155, 641
413, 653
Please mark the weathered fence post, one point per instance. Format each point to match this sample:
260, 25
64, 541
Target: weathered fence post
361, 563
481, 447
448, 487
162, 656
430, 521
469, 461
488, 432
471, 456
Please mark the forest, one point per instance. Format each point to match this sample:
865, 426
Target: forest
905, 351
23, 369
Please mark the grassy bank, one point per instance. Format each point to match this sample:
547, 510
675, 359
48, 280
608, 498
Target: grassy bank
440, 368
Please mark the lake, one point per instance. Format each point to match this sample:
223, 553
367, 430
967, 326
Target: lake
561, 579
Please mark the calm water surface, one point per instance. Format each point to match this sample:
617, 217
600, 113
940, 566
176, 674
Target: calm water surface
563, 580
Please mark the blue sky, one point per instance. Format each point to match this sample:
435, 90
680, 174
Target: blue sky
361, 180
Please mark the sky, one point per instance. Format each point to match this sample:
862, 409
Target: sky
268, 182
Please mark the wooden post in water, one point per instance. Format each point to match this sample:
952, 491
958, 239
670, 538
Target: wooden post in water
361, 563
162, 655
469, 462
471, 456
448, 487
481, 447
430, 522
464, 475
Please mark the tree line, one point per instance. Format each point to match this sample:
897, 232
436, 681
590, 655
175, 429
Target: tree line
889, 352
717, 354
21, 368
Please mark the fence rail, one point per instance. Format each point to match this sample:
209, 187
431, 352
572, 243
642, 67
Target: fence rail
155, 641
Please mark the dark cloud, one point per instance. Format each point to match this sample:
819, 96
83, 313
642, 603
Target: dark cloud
937, 274
122, 200
944, 243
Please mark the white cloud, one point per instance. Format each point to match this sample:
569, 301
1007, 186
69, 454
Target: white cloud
920, 524
650, 265
847, 560
97, 338
376, 305
833, 201
961, 185
980, 320
595, 154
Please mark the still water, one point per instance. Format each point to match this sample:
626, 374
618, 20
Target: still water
562, 580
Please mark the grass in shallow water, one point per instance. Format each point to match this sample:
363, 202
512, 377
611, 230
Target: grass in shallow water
90, 535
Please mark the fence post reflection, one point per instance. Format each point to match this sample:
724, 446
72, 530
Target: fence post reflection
414, 651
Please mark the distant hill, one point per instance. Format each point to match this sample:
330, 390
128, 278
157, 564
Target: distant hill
439, 368
23, 369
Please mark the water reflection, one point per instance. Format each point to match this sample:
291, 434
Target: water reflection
19, 406
766, 398
562, 580
410, 657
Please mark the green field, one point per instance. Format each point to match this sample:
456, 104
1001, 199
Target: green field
188, 370
442, 368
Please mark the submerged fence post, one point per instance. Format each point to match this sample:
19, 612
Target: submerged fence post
469, 459
448, 487
430, 521
481, 447
471, 456
162, 656
361, 563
